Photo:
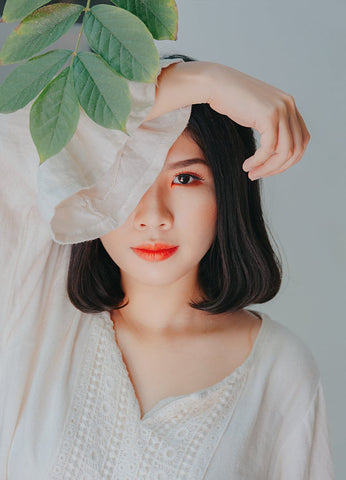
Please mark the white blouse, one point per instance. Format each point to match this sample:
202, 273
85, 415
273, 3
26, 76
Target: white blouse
68, 409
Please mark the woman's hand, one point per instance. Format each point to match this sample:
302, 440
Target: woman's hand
272, 112
247, 101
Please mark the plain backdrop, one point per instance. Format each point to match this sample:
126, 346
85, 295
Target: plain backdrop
300, 47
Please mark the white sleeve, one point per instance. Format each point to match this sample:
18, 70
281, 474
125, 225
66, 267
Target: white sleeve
24, 237
306, 453
80, 194
94, 183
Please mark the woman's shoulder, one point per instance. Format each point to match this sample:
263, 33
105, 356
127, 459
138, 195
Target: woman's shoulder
285, 362
289, 346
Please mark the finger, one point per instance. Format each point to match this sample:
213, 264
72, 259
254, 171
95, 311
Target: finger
298, 127
297, 135
269, 138
285, 149
284, 167
306, 134
298, 143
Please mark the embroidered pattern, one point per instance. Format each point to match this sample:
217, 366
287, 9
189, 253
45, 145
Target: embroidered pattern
105, 439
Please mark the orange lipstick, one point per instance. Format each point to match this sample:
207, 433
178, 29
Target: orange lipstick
155, 252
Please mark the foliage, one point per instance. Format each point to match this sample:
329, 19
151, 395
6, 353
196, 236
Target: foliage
121, 39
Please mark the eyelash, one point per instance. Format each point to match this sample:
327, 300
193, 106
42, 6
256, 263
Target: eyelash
191, 174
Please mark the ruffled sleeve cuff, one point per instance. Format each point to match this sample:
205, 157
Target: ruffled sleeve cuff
96, 181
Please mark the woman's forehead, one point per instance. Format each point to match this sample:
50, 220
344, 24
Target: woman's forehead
186, 163
184, 148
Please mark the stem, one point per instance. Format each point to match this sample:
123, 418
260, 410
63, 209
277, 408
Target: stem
86, 9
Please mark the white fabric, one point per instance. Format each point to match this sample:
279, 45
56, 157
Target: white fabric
78, 187
67, 407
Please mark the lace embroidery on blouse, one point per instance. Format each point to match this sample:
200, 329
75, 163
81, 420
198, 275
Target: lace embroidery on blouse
105, 439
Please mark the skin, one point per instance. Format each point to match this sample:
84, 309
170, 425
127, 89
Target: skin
170, 348
183, 215
246, 100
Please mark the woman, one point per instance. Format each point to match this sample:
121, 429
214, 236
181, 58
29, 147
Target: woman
149, 365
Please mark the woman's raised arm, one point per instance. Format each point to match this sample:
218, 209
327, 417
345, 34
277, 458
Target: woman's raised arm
246, 100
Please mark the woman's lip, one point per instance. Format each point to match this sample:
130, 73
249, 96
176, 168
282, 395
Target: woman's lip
155, 255
155, 246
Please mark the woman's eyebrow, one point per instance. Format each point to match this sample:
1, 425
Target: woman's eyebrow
187, 163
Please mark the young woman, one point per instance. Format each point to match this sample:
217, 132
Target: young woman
130, 354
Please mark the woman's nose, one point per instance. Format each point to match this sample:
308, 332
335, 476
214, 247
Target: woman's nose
152, 210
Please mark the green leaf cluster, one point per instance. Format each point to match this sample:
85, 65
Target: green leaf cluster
121, 37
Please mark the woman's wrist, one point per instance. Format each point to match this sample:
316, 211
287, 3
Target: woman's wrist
181, 84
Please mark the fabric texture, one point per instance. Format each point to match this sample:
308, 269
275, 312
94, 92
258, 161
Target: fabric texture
78, 188
68, 409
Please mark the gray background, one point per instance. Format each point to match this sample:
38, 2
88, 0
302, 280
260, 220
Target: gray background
300, 47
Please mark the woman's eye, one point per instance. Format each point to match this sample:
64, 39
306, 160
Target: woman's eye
184, 178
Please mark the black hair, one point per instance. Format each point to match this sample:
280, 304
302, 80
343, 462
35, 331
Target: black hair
239, 269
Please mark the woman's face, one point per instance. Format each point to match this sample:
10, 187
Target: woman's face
179, 209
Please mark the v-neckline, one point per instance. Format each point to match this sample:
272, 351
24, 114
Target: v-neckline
202, 393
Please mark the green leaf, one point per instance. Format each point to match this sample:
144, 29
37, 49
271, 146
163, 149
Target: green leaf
18, 9
26, 81
123, 41
54, 115
39, 30
103, 94
160, 16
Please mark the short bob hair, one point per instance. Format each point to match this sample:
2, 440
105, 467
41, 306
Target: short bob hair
239, 269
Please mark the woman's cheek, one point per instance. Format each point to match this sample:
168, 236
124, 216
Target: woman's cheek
112, 244
201, 218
